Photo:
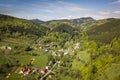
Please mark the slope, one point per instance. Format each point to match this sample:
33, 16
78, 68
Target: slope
105, 32
112, 73
16, 27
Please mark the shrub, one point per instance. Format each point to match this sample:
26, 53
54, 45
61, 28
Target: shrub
28, 48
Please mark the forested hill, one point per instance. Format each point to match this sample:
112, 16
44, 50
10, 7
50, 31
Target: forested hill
75, 21
16, 27
105, 32
101, 30
65, 28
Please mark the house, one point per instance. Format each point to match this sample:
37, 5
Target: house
77, 45
66, 52
24, 70
6, 49
54, 53
8, 75
44, 70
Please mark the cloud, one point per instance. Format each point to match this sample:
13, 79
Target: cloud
76, 8
109, 14
95, 16
58, 9
66, 17
116, 2
69, 17
116, 12
70, 6
57, 6
104, 13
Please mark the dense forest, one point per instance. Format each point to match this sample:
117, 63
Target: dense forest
59, 49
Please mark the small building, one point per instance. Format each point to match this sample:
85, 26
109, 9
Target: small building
43, 70
6, 49
54, 54
77, 45
66, 52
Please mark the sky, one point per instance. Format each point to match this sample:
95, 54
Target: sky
60, 9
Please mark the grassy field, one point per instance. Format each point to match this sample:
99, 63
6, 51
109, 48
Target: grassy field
82, 58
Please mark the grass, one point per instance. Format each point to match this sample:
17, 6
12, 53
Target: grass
1, 58
41, 61
84, 57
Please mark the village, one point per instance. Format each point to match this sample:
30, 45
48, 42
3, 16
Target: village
47, 72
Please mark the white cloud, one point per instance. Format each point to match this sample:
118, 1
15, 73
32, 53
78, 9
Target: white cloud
116, 2
59, 7
68, 17
104, 13
116, 12
72, 6
76, 8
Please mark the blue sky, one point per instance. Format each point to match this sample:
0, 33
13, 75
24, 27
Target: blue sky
60, 9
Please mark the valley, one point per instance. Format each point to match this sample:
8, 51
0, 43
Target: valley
79, 49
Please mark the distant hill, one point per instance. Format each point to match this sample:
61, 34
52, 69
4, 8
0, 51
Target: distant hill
75, 21
58, 21
105, 32
65, 28
37, 21
82, 20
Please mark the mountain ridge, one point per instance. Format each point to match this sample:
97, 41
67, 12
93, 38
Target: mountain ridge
38, 21
75, 20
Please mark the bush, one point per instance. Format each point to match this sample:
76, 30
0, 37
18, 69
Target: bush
28, 48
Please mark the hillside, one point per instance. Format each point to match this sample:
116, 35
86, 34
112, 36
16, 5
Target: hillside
105, 32
65, 28
16, 27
